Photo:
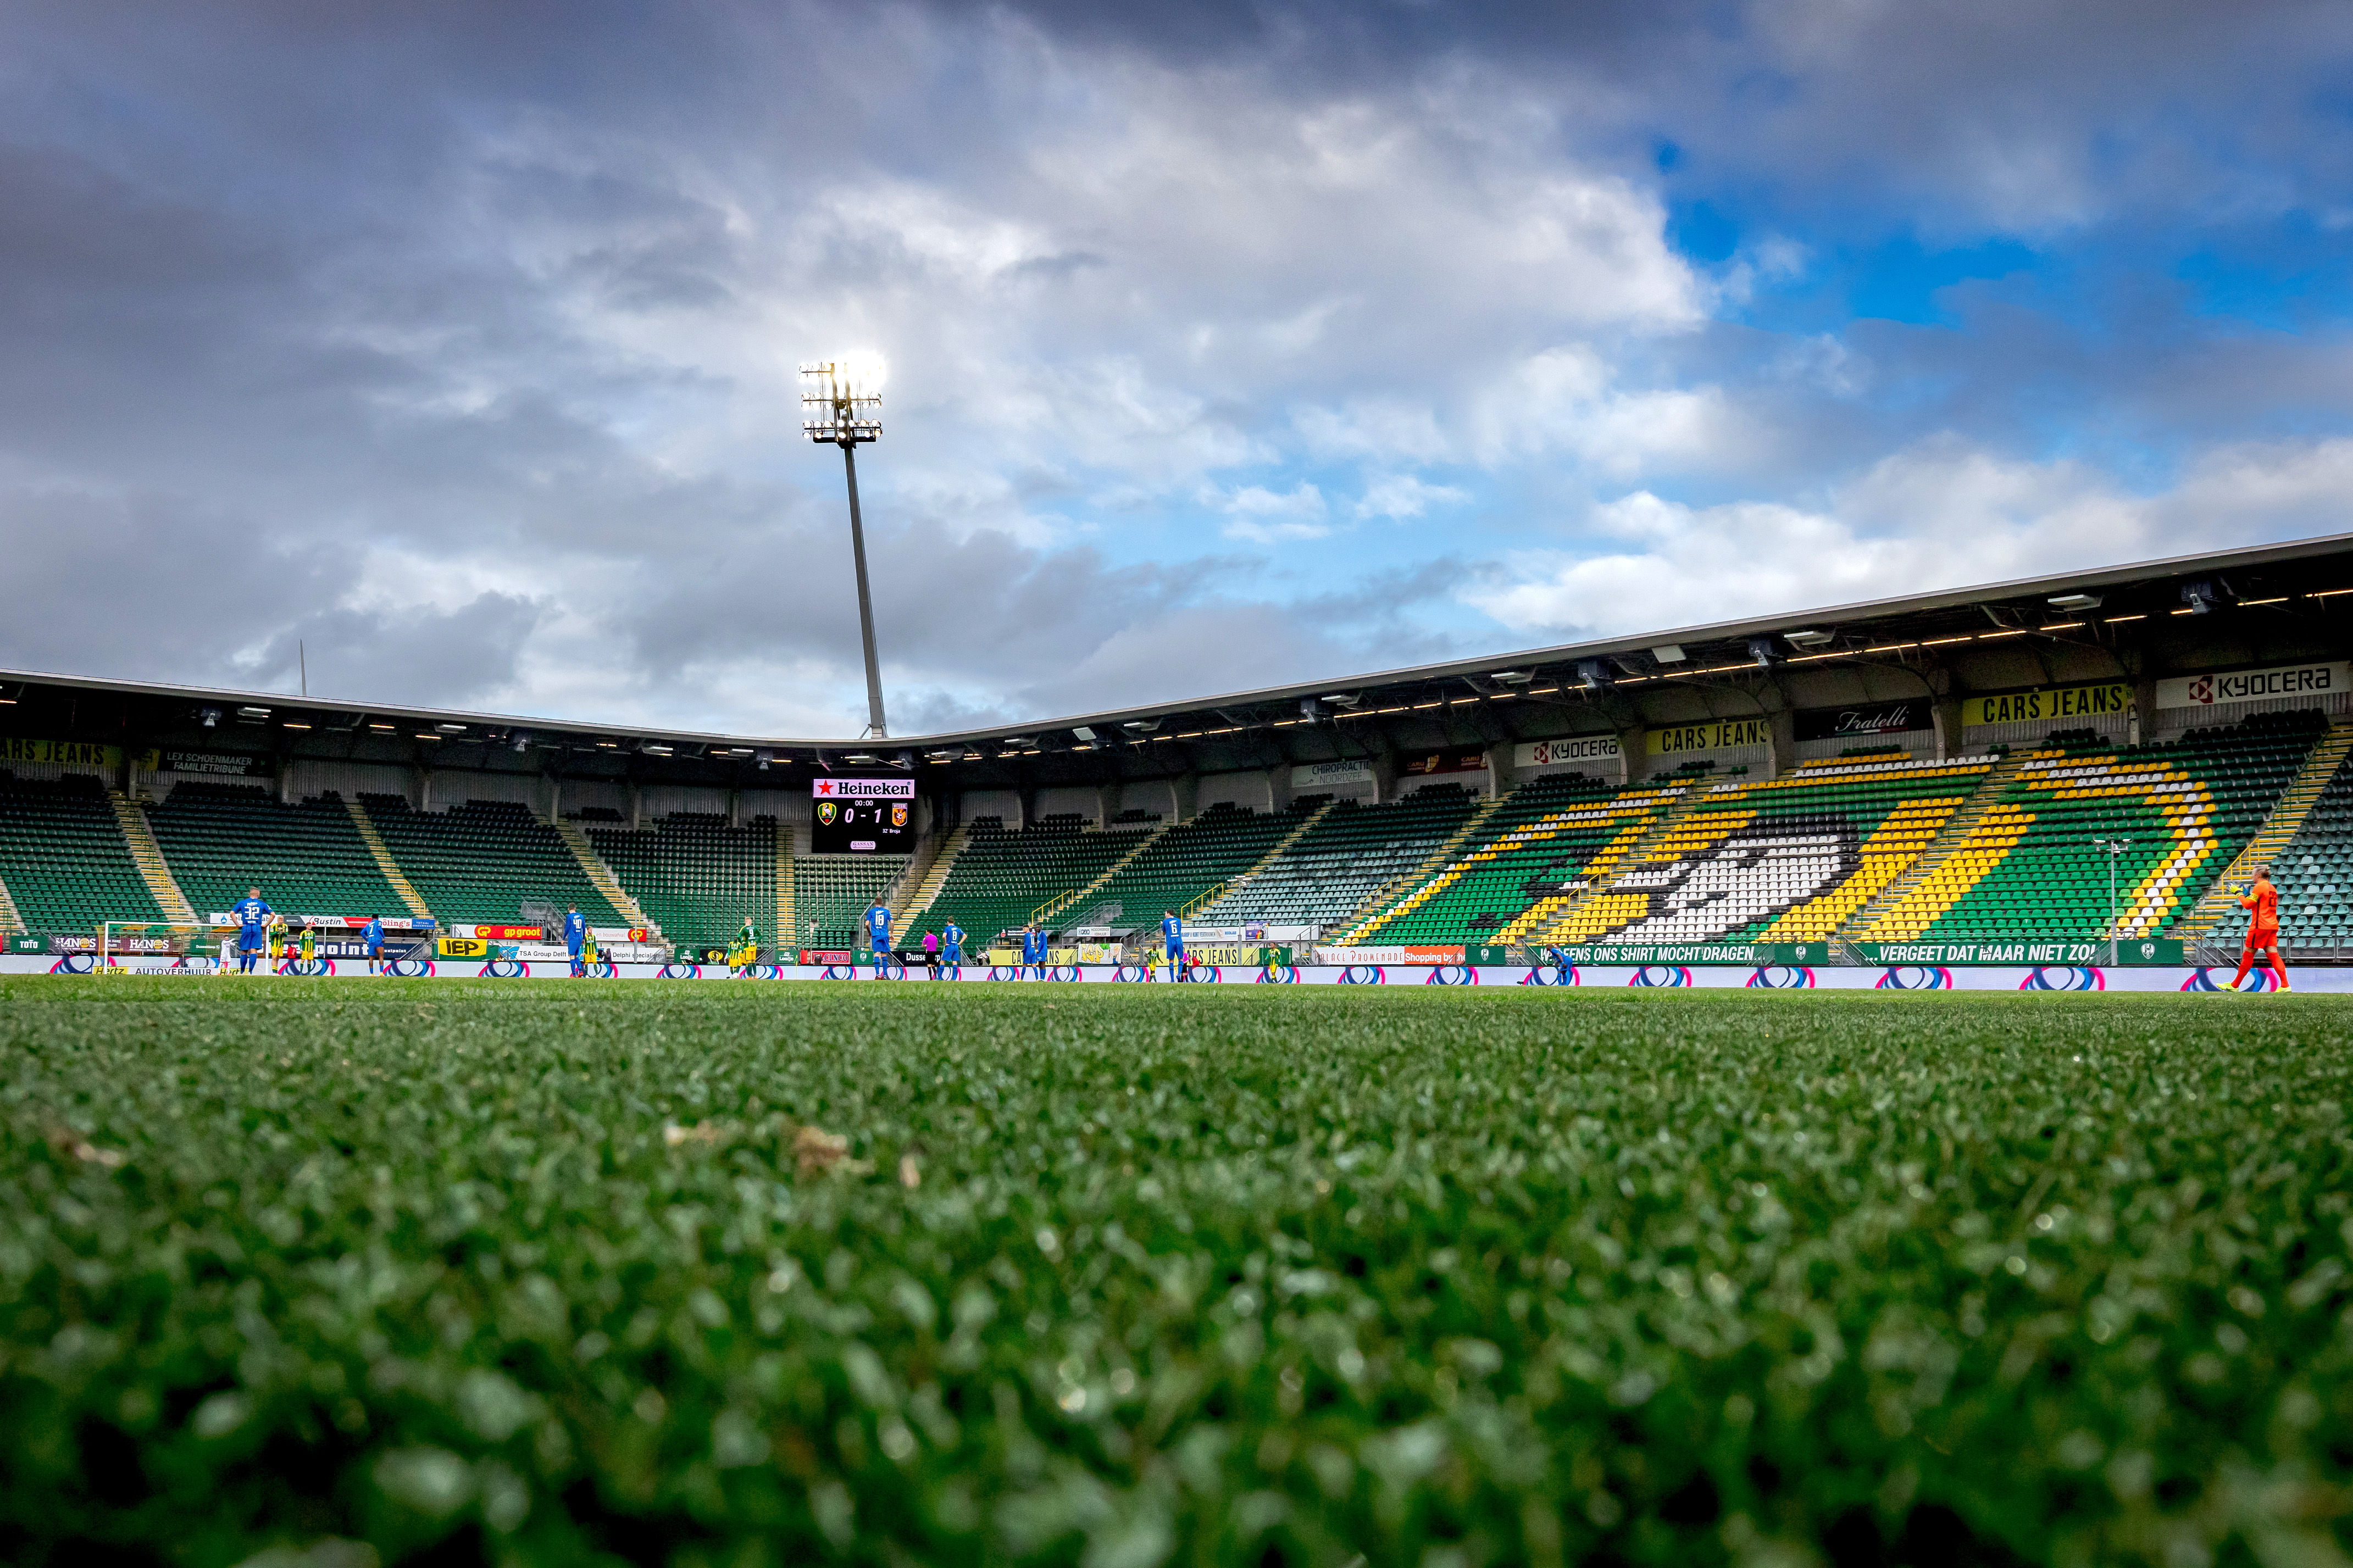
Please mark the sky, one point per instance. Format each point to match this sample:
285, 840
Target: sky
1227, 344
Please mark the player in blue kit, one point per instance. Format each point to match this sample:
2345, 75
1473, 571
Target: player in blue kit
1033, 950
1172, 931
951, 943
253, 917
878, 936
576, 933
372, 938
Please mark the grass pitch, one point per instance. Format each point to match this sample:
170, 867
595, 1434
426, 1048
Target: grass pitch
1119, 1277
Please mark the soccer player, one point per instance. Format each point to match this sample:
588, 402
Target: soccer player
307, 948
1033, 949
878, 936
1172, 931
372, 938
588, 952
951, 943
747, 946
252, 917
2262, 928
576, 932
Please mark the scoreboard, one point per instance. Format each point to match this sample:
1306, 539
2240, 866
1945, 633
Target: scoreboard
863, 817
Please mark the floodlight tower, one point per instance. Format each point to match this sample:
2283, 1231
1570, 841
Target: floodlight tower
841, 402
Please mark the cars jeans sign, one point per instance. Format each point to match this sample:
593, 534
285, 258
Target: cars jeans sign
2092, 701
2254, 685
1715, 735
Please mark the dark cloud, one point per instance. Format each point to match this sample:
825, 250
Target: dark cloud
457, 340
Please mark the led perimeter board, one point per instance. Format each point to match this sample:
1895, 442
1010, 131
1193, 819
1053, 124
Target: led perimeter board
863, 817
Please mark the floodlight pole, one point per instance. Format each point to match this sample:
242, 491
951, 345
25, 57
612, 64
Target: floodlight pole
843, 410
875, 724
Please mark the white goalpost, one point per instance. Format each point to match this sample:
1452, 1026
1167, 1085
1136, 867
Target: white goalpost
128, 946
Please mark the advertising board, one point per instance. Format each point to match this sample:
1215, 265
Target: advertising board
1472, 762
1863, 720
862, 817
1308, 777
1715, 735
1568, 749
2263, 685
2097, 700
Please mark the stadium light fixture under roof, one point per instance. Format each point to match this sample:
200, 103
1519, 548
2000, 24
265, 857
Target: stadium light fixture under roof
841, 402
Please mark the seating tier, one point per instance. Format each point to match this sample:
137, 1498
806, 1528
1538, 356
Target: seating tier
63, 856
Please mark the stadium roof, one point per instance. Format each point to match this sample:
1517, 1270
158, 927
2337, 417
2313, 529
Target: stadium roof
2133, 622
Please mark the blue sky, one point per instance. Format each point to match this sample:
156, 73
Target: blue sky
1229, 345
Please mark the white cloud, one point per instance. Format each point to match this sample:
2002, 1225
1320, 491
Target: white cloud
1942, 515
1265, 517
1402, 495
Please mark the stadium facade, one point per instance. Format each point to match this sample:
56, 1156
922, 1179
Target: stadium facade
2024, 768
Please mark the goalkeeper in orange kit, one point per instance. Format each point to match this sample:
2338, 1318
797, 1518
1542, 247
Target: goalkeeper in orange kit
2262, 928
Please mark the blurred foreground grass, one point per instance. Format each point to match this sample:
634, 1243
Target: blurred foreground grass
1117, 1277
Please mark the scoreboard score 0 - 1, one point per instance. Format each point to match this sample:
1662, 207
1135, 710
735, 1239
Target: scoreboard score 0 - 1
863, 817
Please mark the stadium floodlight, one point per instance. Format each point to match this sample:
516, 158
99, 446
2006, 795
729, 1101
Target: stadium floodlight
763, 757
1668, 653
1764, 652
253, 715
451, 729
1140, 726
842, 407
1513, 677
2202, 597
1311, 710
520, 741
1084, 732
211, 717
1810, 638
2073, 603
654, 749
1593, 674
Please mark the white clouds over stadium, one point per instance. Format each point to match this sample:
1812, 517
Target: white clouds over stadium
1226, 347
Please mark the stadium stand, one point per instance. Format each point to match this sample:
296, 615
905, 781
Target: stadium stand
1002, 875
1341, 860
64, 858
694, 877
2314, 868
477, 862
1182, 863
2032, 867
830, 891
1786, 859
1543, 838
221, 839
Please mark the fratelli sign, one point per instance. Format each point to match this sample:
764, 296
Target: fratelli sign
1865, 719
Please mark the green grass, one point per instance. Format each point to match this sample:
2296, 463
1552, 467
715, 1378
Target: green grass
534, 1273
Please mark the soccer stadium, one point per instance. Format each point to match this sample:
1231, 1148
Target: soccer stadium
2069, 782
1600, 815
723, 1232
